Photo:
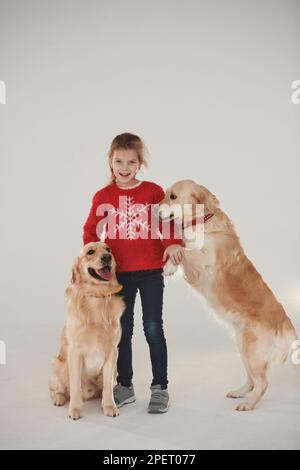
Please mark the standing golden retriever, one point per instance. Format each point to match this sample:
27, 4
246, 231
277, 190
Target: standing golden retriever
221, 272
86, 363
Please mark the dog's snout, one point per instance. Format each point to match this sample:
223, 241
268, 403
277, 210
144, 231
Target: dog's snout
106, 258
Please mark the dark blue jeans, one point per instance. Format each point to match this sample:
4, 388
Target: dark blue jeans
150, 284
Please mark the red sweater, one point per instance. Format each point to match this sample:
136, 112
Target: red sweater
123, 219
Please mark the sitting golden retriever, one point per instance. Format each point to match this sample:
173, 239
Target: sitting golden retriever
221, 272
86, 363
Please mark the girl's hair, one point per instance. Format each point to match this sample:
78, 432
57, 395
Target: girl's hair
127, 141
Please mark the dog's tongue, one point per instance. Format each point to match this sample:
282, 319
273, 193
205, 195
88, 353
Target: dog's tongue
105, 273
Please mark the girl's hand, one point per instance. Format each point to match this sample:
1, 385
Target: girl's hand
175, 253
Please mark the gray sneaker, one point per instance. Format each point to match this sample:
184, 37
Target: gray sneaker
159, 401
123, 395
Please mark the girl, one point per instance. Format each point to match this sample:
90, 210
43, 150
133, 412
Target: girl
125, 204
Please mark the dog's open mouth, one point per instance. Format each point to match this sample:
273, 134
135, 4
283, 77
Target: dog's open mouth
102, 274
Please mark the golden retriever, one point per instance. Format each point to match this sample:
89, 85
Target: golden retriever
226, 278
86, 363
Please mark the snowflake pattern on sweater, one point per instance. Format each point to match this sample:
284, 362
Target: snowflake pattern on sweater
132, 219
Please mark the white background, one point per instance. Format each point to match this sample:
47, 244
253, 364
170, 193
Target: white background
207, 86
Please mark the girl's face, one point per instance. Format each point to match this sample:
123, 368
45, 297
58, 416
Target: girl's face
125, 165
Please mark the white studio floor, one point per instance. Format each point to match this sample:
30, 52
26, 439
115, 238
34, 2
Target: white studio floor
203, 366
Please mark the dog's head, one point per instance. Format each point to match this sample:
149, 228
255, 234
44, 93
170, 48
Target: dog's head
94, 266
185, 195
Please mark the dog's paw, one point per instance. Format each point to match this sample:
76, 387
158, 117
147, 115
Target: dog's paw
235, 394
170, 268
59, 399
74, 413
111, 410
244, 407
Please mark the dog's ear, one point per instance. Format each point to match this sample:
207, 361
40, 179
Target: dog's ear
204, 196
75, 271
